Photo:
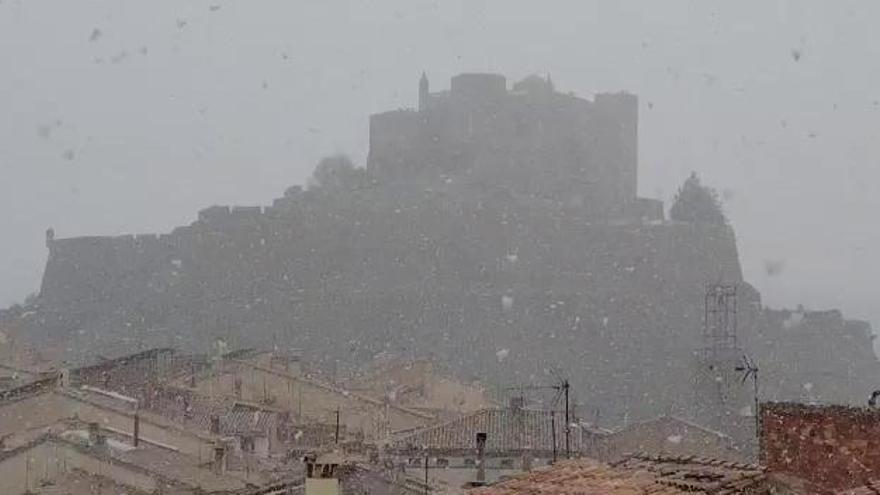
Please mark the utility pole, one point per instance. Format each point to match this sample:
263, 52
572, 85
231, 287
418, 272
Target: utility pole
757, 405
565, 387
481, 457
426, 473
562, 388
747, 367
136, 434
553, 432
337, 425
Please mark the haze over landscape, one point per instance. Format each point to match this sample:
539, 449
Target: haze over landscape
126, 117
470, 247
161, 115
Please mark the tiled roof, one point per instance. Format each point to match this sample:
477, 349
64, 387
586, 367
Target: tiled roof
77, 482
636, 475
243, 418
194, 410
673, 419
28, 389
507, 430
581, 477
132, 374
696, 474
421, 384
164, 465
872, 488
231, 365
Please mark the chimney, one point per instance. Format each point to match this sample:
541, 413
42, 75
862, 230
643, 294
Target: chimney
65, 377
137, 429
481, 457
219, 465
274, 429
236, 387
96, 438
215, 424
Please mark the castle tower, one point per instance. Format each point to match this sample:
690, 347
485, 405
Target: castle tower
423, 92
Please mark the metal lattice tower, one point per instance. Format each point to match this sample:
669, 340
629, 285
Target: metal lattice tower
720, 399
719, 323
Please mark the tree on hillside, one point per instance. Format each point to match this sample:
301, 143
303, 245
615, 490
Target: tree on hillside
338, 171
696, 203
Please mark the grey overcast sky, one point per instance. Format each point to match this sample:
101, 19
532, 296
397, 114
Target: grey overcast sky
123, 116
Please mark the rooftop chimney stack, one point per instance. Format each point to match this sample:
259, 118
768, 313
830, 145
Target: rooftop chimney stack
219, 465
481, 457
137, 429
215, 424
96, 437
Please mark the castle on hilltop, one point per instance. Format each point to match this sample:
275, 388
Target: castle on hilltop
531, 138
492, 220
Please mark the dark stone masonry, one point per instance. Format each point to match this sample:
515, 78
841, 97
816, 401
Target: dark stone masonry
496, 229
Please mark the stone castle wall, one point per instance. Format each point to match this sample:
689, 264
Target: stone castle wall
613, 303
535, 140
511, 244
484, 275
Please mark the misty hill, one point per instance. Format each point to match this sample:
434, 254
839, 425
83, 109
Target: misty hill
495, 229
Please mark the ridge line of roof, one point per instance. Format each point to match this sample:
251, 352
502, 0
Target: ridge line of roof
150, 418
676, 418
334, 389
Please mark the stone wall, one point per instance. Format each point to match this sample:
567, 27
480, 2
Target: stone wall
495, 285
507, 259
834, 447
611, 303
532, 139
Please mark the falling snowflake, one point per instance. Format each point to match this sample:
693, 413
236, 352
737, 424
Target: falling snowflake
507, 302
793, 321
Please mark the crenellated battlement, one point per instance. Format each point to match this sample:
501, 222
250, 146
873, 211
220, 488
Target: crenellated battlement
530, 138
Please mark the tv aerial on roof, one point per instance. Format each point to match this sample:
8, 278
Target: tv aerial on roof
749, 369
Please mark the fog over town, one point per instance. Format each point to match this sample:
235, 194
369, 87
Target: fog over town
438, 246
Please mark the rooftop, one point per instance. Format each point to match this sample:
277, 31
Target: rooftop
507, 430
871, 488
163, 465
81, 483
638, 474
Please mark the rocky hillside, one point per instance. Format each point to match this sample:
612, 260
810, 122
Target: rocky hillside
500, 287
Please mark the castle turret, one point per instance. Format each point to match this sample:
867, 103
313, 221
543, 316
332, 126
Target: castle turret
423, 92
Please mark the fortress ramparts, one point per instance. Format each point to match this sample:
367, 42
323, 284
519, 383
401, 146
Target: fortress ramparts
494, 221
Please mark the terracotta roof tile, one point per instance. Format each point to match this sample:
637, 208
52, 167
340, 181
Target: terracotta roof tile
507, 429
872, 488
639, 474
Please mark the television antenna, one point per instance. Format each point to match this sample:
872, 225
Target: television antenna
562, 388
749, 369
